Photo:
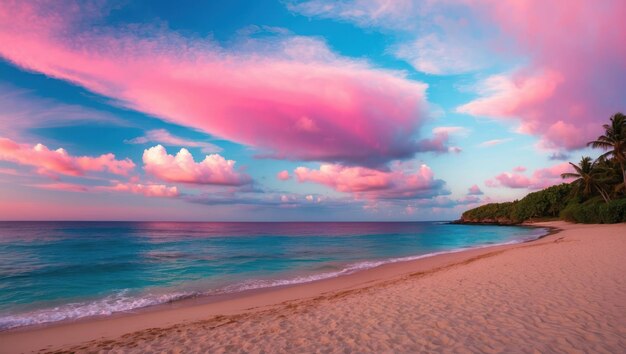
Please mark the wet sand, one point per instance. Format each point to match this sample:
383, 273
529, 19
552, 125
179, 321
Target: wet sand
562, 293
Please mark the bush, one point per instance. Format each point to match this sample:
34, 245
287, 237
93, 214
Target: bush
567, 214
542, 204
549, 203
545, 203
493, 212
596, 211
588, 214
614, 211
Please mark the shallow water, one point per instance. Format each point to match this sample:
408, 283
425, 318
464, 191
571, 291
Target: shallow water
51, 271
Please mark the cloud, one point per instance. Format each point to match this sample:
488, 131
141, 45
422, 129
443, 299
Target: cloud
451, 130
494, 142
447, 202
365, 13
440, 39
366, 183
474, 190
164, 137
60, 162
541, 178
439, 142
290, 97
10, 172
214, 169
148, 190
283, 175
273, 200
559, 155
65, 187
561, 100
432, 55
503, 95
21, 110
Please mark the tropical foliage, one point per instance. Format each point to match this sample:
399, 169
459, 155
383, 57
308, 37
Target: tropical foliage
614, 143
596, 195
543, 204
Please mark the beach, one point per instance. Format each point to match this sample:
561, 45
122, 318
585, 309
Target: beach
565, 292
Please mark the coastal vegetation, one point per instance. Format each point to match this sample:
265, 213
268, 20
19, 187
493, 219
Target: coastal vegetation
596, 195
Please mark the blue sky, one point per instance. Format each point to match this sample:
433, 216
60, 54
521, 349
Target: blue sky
376, 110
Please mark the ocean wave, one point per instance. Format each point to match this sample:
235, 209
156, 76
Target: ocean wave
119, 302
124, 302
253, 284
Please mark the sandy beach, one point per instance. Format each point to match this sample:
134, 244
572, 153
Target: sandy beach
563, 293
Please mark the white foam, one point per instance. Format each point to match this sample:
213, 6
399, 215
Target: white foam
122, 302
119, 302
253, 284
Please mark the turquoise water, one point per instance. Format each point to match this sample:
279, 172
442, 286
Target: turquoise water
52, 271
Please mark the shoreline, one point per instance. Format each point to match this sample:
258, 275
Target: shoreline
249, 301
562, 292
210, 298
204, 298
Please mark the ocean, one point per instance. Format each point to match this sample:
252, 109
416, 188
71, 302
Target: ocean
54, 271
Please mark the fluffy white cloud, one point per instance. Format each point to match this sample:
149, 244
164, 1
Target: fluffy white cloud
214, 169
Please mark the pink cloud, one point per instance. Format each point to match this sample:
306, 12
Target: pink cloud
450, 130
366, 183
283, 175
541, 178
553, 171
561, 99
504, 95
10, 172
54, 162
65, 187
552, 95
214, 169
519, 169
511, 180
474, 190
439, 142
289, 97
149, 190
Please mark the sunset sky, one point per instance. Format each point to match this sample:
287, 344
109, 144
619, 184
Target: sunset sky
298, 110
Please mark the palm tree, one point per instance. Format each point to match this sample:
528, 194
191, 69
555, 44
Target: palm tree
587, 178
608, 172
614, 140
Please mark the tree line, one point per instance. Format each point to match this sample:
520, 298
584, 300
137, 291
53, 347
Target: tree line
596, 195
606, 175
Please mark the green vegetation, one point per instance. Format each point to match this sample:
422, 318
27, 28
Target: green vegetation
597, 195
544, 204
596, 211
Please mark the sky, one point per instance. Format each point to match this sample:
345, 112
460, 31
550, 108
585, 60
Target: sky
318, 110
